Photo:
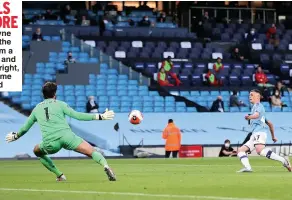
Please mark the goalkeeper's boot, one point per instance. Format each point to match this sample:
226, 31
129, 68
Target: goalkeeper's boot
110, 174
287, 164
61, 178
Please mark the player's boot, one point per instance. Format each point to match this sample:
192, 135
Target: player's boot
287, 165
61, 178
243, 170
110, 174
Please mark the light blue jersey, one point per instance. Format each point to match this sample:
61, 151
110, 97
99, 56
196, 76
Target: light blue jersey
259, 124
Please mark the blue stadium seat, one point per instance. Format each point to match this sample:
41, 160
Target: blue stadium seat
143, 93
137, 99
191, 109
244, 109
169, 99
169, 109
148, 104
180, 104
234, 109
205, 93
158, 109
147, 109
153, 93
123, 77
125, 109
93, 60
103, 104
126, 99
133, 93
276, 109
148, 98
158, 99
286, 109
159, 104
180, 109
136, 103
169, 104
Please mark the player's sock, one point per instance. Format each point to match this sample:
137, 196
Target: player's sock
244, 160
266, 152
97, 157
48, 163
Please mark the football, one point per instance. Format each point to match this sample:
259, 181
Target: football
135, 117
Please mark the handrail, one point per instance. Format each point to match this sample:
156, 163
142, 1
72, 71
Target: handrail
232, 8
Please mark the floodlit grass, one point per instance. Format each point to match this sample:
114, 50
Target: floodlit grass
156, 179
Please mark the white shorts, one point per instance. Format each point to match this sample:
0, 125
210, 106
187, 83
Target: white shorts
256, 138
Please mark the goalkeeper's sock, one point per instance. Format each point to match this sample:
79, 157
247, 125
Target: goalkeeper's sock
97, 157
48, 163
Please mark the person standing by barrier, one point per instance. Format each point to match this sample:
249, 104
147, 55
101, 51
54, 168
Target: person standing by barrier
172, 135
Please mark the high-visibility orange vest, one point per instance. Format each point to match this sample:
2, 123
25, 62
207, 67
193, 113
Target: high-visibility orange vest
172, 136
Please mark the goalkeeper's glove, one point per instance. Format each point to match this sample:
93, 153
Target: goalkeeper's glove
107, 115
12, 136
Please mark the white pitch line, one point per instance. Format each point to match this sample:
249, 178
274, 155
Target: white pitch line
133, 164
128, 194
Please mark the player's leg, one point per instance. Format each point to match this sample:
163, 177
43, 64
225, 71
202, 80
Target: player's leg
246, 140
243, 156
86, 149
47, 162
262, 150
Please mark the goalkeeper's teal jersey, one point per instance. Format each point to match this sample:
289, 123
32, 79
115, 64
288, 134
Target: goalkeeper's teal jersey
51, 116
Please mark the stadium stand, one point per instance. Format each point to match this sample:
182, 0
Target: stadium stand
116, 88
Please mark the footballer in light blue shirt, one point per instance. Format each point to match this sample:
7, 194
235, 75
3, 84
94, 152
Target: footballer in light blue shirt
258, 138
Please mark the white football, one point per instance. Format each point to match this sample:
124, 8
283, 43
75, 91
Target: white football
135, 117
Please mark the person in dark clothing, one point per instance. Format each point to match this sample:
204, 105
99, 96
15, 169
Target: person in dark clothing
101, 26
37, 35
200, 30
234, 102
161, 18
131, 22
251, 36
227, 150
69, 59
236, 55
64, 12
218, 105
92, 106
145, 22
266, 95
49, 15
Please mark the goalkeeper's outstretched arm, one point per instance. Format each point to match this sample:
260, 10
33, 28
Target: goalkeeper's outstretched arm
28, 124
107, 115
12, 136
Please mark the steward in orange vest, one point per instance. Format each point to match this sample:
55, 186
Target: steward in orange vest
172, 136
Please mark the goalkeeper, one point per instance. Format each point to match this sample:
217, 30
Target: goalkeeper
57, 134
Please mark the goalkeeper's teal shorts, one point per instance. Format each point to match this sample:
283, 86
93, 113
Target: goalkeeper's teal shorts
68, 141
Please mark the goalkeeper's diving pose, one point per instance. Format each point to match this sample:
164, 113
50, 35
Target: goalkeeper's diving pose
50, 115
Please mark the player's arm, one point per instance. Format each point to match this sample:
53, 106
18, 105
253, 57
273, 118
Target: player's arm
272, 130
107, 115
12, 136
255, 115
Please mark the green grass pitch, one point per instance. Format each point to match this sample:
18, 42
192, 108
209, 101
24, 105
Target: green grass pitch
155, 179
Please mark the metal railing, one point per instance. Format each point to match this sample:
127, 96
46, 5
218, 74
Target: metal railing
227, 10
